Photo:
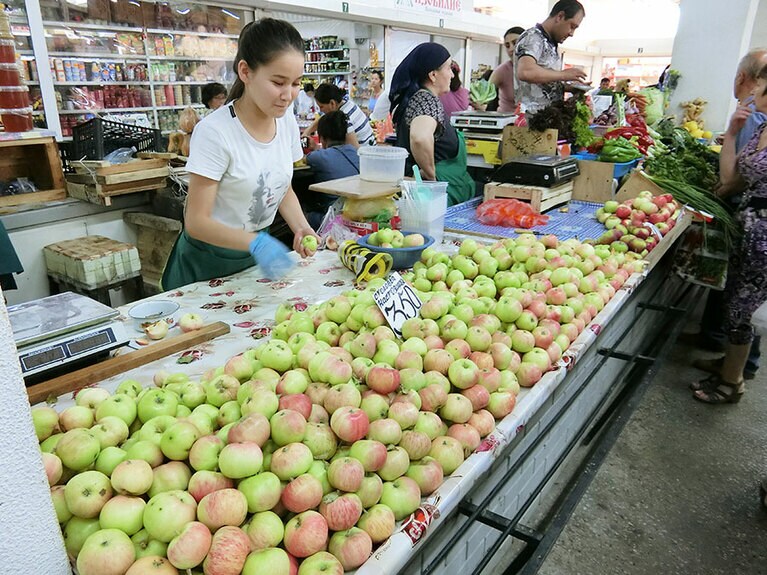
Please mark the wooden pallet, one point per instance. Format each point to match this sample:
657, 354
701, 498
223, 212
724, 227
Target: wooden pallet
103, 194
105, 168
540, 199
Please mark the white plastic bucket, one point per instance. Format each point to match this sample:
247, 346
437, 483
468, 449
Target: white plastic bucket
427, 214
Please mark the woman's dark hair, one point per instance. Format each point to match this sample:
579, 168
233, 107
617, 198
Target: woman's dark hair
378, 73
514, 30
210, 91
455, 81
332, 127
569, 7
261, 42
326, 92
308, 87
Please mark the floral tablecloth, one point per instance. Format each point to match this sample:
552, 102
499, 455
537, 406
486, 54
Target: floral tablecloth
246, 301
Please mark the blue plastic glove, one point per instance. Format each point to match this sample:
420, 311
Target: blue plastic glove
271, 255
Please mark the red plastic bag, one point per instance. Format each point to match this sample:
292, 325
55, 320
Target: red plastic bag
509, 213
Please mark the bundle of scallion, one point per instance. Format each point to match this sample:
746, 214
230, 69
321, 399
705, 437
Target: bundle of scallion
704, 201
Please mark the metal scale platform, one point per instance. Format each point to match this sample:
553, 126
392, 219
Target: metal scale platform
61, 332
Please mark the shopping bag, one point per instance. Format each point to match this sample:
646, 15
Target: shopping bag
703, 256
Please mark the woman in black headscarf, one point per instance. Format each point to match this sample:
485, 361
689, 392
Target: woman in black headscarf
422, 126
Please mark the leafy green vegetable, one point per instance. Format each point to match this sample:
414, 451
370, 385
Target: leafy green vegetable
584, 137
482, 91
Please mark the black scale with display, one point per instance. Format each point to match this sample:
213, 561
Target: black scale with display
61, 332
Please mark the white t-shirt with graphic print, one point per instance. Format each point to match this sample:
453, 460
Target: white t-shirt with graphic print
253, 176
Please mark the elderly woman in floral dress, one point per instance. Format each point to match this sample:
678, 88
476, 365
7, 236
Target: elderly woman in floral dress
746, 286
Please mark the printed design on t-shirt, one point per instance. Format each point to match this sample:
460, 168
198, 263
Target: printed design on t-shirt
269, 191
535, 44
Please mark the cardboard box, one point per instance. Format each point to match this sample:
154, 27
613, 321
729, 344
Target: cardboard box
99, 10
519, 141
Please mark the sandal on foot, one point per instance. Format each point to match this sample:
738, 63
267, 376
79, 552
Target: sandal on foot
708, 384
721, 392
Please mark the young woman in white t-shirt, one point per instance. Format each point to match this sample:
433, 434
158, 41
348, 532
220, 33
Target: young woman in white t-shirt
241, 165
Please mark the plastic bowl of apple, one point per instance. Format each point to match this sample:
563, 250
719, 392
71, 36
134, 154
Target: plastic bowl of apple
404, 247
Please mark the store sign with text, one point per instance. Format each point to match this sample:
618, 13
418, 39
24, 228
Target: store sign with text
440, 7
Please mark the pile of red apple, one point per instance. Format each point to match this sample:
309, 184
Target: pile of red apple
626, 222
300, 455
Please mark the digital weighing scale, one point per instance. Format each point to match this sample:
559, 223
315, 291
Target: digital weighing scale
62, 329
483, 132
538, 170
477, 120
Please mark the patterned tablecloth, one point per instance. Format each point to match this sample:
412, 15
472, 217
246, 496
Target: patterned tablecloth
247, 301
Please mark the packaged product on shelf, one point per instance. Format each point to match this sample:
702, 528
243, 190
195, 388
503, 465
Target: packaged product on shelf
14, 97
81, 71
168, 43
19, 120
171, 71
178, 95
169, 98
58, 65
159, 46
95, 73
32, 70
7, 50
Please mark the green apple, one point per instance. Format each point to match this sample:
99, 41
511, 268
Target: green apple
310, 243
120, 405
78, 449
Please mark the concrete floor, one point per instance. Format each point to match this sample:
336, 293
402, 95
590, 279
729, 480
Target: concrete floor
678, 493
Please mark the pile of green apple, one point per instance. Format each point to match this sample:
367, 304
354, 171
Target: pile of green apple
389, 238
626, 222
300, 455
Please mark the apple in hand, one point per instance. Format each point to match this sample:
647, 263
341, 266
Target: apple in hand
190, 322
309, 242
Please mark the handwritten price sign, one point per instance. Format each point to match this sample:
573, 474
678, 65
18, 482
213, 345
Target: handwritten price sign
397, 301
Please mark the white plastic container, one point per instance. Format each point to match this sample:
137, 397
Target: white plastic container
382, 163
426, 214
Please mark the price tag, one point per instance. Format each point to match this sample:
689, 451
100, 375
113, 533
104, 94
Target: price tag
397, 301
655, 231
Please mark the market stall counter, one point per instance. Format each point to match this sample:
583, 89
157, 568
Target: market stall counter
497, 484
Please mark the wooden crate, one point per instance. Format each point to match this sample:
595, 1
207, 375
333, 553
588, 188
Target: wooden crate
156, 237
595, 181
540, 199
519, 141
98, 181
38, 160
635, 183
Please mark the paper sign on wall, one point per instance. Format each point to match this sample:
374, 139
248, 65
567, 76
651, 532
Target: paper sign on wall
397, 301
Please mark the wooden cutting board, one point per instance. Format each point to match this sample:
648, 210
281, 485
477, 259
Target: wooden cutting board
356, 188
122, 363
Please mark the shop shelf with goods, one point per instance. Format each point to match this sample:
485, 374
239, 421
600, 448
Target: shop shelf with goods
641, 71
145, 57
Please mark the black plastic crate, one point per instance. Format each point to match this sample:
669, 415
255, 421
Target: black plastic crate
96, 138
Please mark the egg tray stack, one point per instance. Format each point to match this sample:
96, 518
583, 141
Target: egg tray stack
92, 262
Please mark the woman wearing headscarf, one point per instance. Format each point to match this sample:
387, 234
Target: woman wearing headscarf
423, 128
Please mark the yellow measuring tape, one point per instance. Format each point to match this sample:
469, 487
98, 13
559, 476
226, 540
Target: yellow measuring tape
365, 264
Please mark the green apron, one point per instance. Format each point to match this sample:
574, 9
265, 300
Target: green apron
460, 186
192, 261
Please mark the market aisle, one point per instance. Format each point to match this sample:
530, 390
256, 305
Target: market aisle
678, 492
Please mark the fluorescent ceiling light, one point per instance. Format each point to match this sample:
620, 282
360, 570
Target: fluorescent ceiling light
183, 11
230, 14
